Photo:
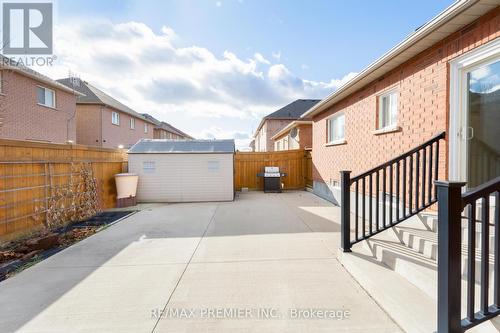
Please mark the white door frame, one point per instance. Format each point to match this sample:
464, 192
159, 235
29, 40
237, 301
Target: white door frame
459, 67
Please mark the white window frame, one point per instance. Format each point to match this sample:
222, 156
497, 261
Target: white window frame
115, 118
146, 128
45, 89
483, 55
393, 100
132, 123
329, 121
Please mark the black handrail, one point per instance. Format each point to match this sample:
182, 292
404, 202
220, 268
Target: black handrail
436, 138
419, 168
452, 203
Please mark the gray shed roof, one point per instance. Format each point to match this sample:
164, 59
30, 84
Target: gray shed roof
156, 146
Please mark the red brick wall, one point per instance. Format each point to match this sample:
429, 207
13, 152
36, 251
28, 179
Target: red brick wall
88, 125
21, 118
95, 127
422, 83
269, 129
305, 136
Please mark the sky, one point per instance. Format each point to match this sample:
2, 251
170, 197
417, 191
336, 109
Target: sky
214, 68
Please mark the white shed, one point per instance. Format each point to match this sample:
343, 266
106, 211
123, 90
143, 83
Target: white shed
183, 170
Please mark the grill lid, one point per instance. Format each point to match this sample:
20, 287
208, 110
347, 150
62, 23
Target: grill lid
271, 169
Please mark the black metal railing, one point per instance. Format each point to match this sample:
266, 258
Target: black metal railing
405, 184
453, 208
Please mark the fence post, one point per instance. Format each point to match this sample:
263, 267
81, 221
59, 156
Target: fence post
345, 210
449, 196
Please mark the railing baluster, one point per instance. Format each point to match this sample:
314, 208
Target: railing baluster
363, 213
390, 195
384, 181
436, 165
485, 253
377, 200
424, 166
496, 221
410, 186
356, 209
371, 204
417, 179
429, 178
471, 262
404, 188
397, 191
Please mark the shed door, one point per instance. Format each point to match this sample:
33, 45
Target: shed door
183, 177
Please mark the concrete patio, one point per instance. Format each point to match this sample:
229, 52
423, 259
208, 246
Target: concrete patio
177, 267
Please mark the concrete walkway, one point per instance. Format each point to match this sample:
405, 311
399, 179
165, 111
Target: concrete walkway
263, 263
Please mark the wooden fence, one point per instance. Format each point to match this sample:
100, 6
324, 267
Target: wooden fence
32, 174
293, 162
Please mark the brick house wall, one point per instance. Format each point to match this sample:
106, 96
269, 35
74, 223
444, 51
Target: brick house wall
22, 118
94, 127
301, 141
263, 141
423, 88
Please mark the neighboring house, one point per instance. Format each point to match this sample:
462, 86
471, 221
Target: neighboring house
103, 121
414, 92
274, 122
34, 107
295, 135
163, 130
252, 145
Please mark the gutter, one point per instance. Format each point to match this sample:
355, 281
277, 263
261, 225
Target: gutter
41, 78
288, 127
416, 36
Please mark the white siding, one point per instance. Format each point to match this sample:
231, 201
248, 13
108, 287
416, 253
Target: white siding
183, 177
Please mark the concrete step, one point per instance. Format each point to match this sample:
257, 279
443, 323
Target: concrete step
412, 309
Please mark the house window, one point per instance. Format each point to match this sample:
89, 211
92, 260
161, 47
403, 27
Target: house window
336, 128
388, 110
115, 118
46, 97
1, 82
132, 123
146, 128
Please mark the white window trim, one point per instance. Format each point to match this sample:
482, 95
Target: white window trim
388, 128
330, 142
482, 55
54, 98
146, 128
117, 118
132, 123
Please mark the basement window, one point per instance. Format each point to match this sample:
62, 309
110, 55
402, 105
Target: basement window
388, 110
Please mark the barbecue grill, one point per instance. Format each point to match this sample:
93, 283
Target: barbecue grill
272, 179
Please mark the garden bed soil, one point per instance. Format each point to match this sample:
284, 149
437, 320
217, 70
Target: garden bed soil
23, 253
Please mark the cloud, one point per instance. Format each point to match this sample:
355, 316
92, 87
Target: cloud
260, 58
190, 87
277, 55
